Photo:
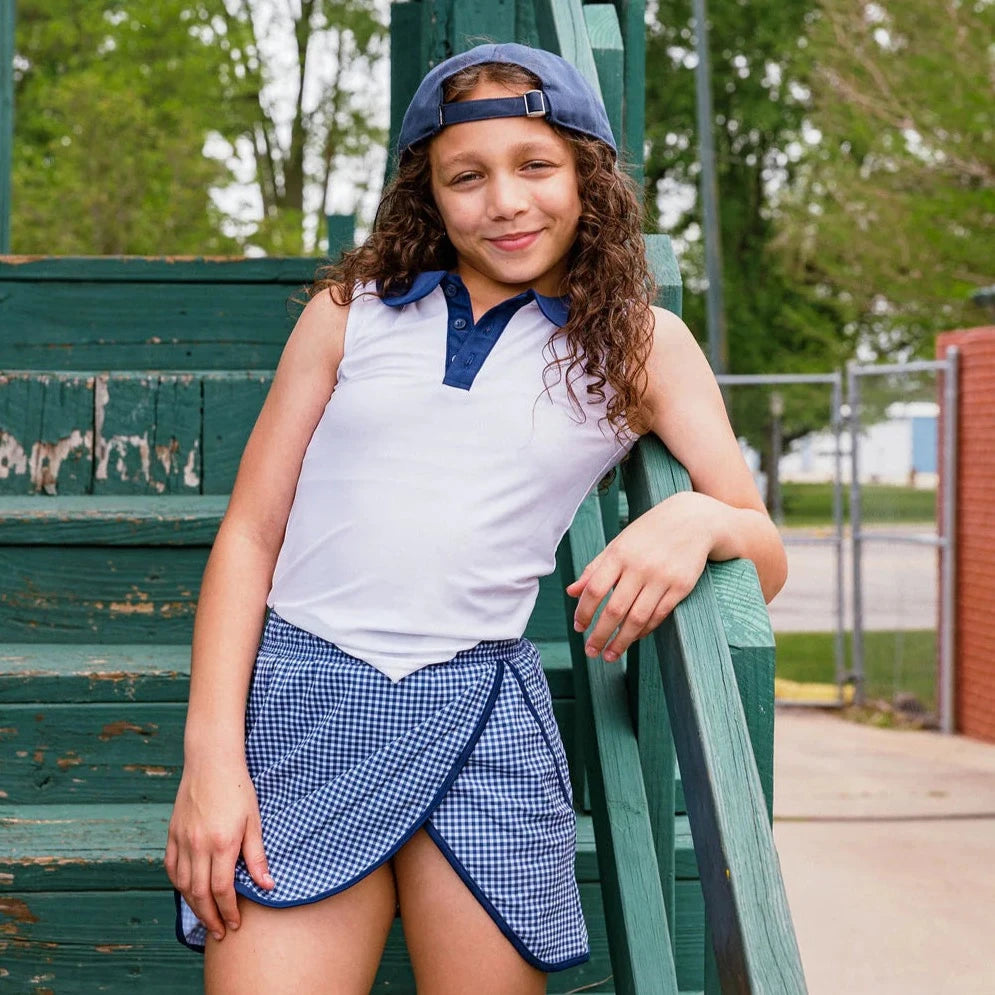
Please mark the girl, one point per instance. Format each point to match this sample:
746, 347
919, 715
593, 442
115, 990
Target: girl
452, 391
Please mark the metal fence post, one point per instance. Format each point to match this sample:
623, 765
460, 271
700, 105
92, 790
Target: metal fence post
948, 576
857, 643
837, 427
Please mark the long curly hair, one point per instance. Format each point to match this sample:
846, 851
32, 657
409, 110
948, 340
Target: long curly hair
609, 331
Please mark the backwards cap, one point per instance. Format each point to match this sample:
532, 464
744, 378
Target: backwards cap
566, 98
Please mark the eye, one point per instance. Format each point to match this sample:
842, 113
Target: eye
538, 164
460, 179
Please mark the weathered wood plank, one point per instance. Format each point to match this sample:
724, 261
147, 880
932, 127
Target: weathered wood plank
46, 433
143, 326
116, 750
632, 21
81, 847
748, 912
292, 271
478, 22
64, 673
231, 406
663, 266
609, 58
117, 595
102, 846
639, 935
562, 30
147, 434
656, 759
110, 520
94, 941
93, 753
751, 645
407, 66
124, 942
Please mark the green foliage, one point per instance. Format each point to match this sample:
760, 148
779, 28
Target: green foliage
892, 212
772, 326
115, 102
332, 49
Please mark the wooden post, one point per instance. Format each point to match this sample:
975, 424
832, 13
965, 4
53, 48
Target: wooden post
606, 45
6, 118
632, 21
341, 233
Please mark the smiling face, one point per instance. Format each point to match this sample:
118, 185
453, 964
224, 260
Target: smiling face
507, 191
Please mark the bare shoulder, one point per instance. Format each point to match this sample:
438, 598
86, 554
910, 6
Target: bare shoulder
676, 366
320, 332
687, 412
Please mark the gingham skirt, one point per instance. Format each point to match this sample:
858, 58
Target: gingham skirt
347, 766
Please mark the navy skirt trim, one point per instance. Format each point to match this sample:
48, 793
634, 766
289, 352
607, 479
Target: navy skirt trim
348, 765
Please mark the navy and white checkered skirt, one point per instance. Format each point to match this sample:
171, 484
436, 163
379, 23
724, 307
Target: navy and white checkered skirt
348, 765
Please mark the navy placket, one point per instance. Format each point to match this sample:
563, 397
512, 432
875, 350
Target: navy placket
469, 344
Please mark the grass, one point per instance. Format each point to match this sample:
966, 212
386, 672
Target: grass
812, 504
893, 661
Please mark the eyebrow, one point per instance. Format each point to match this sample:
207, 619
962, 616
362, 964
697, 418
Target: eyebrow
522, 148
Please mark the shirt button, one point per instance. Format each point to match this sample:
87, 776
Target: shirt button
450, 290
460, 323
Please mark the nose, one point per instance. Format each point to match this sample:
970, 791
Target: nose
507, 196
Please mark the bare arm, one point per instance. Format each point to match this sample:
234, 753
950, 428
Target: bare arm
216, 814
656, 561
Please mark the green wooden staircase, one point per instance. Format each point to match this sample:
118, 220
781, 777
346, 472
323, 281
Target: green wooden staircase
127, 392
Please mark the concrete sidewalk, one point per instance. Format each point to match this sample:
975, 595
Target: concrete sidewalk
887, 846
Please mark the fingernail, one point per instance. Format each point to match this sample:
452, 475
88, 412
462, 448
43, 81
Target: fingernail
217, 936
232, 925
269, 882
577, 626
590, 650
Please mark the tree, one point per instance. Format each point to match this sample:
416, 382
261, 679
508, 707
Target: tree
759, 63
118, 101
112, 103
891, 213
301, 110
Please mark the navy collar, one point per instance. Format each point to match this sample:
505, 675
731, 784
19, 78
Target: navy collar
556, 309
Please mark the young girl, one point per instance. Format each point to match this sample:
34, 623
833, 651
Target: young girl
452, 391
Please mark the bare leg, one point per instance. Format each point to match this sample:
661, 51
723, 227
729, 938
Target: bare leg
331, 947
455, 946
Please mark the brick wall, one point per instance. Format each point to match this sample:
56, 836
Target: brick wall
975, 587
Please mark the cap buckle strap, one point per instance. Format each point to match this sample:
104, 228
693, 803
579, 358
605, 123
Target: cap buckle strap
537, 96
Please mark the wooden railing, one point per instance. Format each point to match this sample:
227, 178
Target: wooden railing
701, 686
724, 750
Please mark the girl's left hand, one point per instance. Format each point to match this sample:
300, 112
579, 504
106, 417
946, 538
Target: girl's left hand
652, 564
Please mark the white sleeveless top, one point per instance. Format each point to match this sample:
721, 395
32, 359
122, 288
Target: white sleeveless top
425, 513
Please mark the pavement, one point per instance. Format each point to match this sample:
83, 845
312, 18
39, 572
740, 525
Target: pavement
886, 840
900, 582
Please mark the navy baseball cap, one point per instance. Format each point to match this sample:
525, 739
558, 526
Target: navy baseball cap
566, 98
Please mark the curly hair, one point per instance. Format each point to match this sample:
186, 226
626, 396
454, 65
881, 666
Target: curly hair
609, 330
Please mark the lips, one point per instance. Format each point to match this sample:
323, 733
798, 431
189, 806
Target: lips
514, 241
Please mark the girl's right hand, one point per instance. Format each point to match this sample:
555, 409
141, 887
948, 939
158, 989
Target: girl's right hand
216, 816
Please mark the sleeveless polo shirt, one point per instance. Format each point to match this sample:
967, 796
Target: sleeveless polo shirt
439, 479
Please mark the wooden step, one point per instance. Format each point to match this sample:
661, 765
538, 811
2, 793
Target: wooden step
127, 569
85, 900
89, 723
89, 879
